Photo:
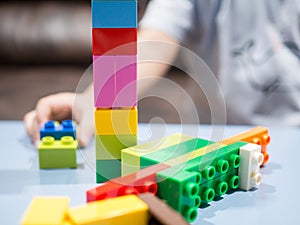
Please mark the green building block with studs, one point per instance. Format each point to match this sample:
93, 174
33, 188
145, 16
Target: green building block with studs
172, 152
180, 190
215, 163
218, 186
209, 168
57, 153
131, 156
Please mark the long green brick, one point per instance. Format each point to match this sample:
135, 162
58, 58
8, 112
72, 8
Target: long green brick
180, 191
208, 169
173, 152
110, 146
219, 186
131, 156
107, 170
218, 162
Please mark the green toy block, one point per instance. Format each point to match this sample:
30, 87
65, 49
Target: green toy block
173, 152
57, 153
110, 146
107, 170
216, 163
180, 190
131, 156
210, 169
218, 186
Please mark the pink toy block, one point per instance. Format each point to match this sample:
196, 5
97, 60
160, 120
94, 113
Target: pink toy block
115, 82
104, 80
126, 81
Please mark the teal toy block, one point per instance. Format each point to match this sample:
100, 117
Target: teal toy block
110, 146
58, 130
107, 170
219, 186
114, 14
57, 153
172, 152
180, 190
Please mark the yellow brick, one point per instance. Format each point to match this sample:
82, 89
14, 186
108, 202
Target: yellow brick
46, 211
116, 121
120, 210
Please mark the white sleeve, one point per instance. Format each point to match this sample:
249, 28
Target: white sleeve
173, 17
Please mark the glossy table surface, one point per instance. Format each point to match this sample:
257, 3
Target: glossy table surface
275, 201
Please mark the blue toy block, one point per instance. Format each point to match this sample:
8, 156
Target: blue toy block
114, 14
57, 130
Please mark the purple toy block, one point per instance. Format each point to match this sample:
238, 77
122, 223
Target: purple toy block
115, 82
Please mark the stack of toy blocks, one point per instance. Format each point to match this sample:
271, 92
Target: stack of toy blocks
57, 148
114, 35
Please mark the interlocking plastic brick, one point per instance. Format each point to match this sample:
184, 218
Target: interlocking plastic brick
215, 163
139, 182
46, 210
114, 41
173, 151
57, 153
110, 146
257, 135
114, 14
251, 158
161, 213
58, 130
131, 156
107, 169
115, 82
218, 186
116, 121
180, 190
208, 167
121, 210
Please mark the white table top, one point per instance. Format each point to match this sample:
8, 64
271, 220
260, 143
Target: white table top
275, 201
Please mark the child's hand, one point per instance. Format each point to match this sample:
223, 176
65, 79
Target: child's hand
59, 107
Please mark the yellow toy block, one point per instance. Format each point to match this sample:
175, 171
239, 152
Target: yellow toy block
131, 156
127, 209
47, 211
116, 121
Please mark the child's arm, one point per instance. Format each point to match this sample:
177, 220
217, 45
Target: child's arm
61, 106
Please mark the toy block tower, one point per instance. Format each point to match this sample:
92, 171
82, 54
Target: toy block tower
114, 47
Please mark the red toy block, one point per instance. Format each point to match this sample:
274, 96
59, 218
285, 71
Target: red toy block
115, 82
114, 41
136, 183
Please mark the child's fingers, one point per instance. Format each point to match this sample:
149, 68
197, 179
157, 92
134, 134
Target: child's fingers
86, 130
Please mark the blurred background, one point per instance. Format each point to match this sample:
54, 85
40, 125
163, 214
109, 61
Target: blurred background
45, 48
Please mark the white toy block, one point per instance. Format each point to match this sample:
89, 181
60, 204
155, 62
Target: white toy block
251, 160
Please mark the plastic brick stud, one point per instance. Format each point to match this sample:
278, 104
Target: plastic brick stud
57, 153
251, 160
57, 130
